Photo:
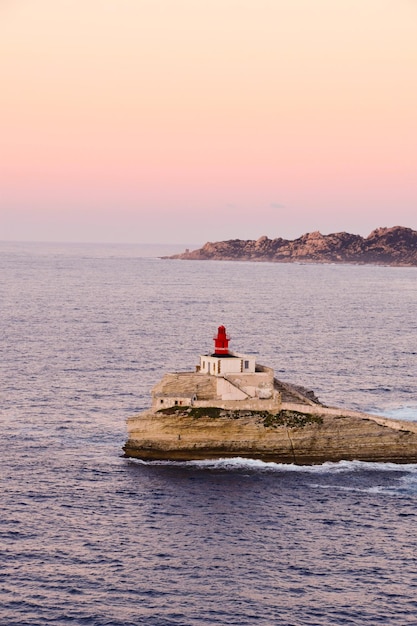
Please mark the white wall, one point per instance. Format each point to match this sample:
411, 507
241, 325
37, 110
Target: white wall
227, 391
235, 364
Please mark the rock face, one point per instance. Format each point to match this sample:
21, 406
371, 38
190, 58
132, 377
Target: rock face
300, 432
385, 246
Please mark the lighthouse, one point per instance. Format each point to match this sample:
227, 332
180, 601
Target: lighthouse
221, 342
223, 379
223, 361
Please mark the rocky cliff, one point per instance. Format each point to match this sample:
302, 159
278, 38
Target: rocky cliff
298, 433
385, 246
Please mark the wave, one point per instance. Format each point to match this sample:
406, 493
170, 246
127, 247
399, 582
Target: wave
239, 463
407, 413
406, 486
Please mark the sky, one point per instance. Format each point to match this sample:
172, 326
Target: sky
185, 121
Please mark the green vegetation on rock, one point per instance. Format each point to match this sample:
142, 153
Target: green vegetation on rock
193, 411
291, 419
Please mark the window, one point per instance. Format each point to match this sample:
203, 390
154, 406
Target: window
246, 365
161, 401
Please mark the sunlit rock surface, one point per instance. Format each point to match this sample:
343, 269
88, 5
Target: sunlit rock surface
302, 431
385, 246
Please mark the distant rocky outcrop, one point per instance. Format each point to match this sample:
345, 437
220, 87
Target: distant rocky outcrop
384, 246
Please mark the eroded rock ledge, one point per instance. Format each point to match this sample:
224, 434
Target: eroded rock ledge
384, 246
232, 406
299, 433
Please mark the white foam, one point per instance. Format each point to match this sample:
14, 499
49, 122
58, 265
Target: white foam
376, 489
239, 463
407, 413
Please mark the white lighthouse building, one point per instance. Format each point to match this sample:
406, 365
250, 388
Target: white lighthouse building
224, 379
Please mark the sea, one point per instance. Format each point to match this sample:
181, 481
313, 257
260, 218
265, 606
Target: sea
91, 538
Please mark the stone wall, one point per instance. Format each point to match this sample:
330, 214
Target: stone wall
258, 385
250, 404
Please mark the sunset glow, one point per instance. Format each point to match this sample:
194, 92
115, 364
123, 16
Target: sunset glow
187, 121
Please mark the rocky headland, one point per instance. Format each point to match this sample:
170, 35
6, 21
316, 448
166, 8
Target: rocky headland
232, 406
302, 431
384, 246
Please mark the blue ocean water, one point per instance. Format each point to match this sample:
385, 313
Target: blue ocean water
88, 537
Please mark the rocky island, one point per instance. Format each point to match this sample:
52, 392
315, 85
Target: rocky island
384, 246
232, 406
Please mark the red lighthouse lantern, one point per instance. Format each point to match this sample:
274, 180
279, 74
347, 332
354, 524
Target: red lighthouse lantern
221, 342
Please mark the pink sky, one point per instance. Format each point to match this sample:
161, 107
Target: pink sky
182, 121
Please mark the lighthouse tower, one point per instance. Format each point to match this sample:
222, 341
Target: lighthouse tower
221, 342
